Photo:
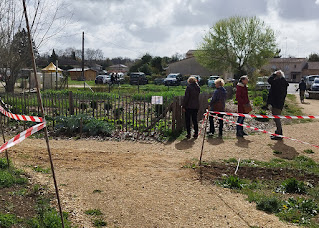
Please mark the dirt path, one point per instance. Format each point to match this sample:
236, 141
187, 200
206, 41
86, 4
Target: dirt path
144, 184
311, 106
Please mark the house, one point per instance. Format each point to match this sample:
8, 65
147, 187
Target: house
311, 68
190, 66
118, 68
76, 74
292, 67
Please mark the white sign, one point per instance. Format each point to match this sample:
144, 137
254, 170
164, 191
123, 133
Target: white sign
157, 100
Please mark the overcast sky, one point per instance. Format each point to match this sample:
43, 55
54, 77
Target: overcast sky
129, 28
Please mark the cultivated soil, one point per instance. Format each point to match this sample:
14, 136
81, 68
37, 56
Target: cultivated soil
143, 184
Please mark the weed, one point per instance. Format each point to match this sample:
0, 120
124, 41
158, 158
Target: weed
93, 212
293, 186
41, 169
309, 151
277, 152
9, 178
231, 160
233, 182
3, 163
99, 223
269, 204
8, 220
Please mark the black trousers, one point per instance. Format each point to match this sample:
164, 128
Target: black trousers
191, 114
212, 125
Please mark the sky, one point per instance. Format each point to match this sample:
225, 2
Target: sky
131, 28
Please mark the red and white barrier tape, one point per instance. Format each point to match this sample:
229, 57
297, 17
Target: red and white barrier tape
21, 117
22, 136
265, 132
264, 116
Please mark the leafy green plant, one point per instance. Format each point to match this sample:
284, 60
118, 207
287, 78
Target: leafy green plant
8, 220
3, 163
93, 212
258, 101
99, 223
41, 169
292, 186
9, 178
309, 151
269, 204
233, 182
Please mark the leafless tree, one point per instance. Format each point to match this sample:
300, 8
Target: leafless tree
47, 21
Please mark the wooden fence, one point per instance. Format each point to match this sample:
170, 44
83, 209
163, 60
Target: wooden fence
127, 113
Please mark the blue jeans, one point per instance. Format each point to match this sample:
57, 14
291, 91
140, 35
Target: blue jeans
240, 120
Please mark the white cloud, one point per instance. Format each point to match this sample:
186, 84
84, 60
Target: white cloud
133, 27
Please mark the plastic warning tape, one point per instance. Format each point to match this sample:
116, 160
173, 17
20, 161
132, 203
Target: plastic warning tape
264, 116
22, 136
20, 117
263, 131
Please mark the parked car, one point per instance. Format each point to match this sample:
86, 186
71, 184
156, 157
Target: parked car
138, 78
159, 81
309, 80
262, 83
173, 79
102, 79
211, 81
315, 85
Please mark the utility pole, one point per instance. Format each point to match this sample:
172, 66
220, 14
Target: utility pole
83, 78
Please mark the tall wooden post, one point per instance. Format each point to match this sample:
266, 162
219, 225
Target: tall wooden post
42, 112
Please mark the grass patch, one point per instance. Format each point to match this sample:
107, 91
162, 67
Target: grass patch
309, 151
95, 212
9, 178
99, 223
8, 220
41, 169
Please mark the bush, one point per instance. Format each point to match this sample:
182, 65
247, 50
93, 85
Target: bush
269, 205
70, 126
293, 186
7, 220
258, 101
233, 183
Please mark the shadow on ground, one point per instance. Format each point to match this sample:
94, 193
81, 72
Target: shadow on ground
185, 144
285, 151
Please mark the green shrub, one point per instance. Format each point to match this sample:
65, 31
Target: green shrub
258, 101
293, 186
309, 151
99, 223
70, 126
93, 212
8, 220
269, 205
9, 178
3, 163
233, 182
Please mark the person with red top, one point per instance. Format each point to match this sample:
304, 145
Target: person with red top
243, 103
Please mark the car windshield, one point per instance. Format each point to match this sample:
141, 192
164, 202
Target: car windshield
311, 79
213, 78
316, 80
171, 76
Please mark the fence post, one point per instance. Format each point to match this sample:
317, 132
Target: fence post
179, 126
174, 115
71, 103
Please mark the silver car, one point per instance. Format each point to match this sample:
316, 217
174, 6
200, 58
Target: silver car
315, 85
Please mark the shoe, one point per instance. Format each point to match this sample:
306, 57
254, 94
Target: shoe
188, 136
195, 136
275, 137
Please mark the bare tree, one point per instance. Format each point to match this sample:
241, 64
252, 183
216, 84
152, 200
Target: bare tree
13, 57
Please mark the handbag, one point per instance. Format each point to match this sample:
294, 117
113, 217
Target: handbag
247, 108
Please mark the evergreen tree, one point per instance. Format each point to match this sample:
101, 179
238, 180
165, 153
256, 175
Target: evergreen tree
54, 57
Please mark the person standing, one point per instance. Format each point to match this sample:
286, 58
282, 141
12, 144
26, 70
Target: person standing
243, 103
302, 89
217, 103
191, 106
277, 98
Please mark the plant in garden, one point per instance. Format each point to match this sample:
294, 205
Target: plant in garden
99, 223
8, 220
233, 182
269, 204
292, 186
309, 151
93, 212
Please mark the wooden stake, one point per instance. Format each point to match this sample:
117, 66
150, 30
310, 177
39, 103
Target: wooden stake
204, 136
42, 112
4, 141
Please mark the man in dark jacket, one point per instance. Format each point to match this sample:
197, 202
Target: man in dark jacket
302, 89
276, 98
191, 105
